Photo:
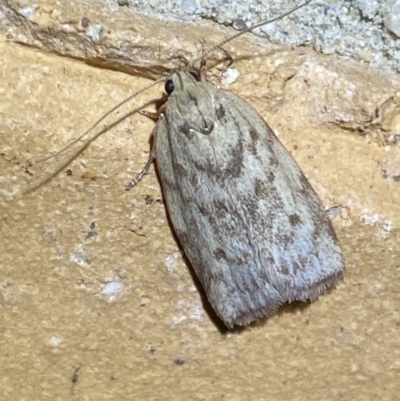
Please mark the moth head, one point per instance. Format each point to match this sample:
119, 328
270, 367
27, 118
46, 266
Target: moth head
170, 86
191, 99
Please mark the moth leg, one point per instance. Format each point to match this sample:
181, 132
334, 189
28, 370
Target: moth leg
150, 114
155, 116
227, 58
203, 61
142, 173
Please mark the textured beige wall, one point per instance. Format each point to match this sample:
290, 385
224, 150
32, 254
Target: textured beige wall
154, 340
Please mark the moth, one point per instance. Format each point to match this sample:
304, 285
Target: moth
248, 221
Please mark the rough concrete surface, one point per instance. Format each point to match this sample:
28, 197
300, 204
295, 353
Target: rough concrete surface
96, 301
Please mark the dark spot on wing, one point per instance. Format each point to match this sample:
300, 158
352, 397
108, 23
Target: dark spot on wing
220, 211
283, 269
273, 161
271, 177
251, 145
243, 260
220, 112
253, 134
306, 187
294, 220
285, 240
260, 189
234, 167
219, 254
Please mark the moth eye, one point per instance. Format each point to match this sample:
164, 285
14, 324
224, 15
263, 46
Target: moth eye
169, 86
208, 126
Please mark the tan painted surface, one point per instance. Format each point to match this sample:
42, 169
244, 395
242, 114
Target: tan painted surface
154, 340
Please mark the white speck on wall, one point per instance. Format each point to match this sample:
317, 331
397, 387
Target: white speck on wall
136, 39
112, 288
177, 320
9, 195
55, 341
369, 220
45, 70
27, 12
334, 212
387, 226
80, 258
393, 138
196, 311
230, 76
376, 288
94, 32
187, 311
171, 261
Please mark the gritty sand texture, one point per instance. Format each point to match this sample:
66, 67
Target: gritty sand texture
64, 337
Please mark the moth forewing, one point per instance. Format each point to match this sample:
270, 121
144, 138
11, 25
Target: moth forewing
252, 227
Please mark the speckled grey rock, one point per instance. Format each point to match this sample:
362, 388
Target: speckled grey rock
365, 30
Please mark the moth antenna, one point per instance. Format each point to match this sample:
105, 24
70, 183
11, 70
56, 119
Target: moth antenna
87, 144
105, 115
247, 30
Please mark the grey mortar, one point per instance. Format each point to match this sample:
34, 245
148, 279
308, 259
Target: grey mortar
365, 30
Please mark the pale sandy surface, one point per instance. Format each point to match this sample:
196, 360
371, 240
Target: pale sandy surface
154, 340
